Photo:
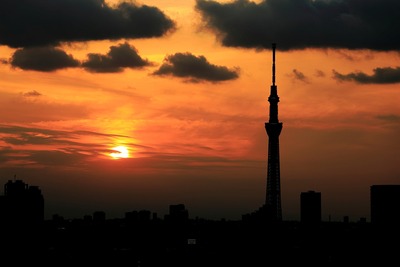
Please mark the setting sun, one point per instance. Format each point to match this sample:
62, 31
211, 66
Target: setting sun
120, 152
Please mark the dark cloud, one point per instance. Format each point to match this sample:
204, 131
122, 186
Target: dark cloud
42, 59
195, 69
298, 75
26, 23
380, 76
32, 93
299, 24
118, 58
52, 58
319, 73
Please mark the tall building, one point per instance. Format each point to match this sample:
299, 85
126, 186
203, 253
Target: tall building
177, 213
273, 128
385, 204
310, 207
21, 203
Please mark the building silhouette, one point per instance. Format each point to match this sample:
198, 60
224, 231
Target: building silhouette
385, 204
21, 204
273, 127
310, 207
177, 213
99, 216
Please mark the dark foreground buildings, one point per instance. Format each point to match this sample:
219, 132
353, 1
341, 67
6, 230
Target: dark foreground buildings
142, 239
385, 204
21, 204
310, 207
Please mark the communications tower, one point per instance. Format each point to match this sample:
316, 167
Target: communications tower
273, 128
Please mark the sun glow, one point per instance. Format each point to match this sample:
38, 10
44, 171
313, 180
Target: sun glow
120, 152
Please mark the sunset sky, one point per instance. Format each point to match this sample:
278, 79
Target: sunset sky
183, 86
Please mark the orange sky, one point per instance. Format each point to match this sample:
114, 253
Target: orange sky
199, 143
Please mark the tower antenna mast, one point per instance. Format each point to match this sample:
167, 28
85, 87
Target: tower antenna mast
273, 63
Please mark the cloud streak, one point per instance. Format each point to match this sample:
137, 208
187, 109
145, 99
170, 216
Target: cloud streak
41, 147
300, 24
39, 136
48, 22
194, 69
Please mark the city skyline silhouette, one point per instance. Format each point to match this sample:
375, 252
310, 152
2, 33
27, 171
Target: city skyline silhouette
141, 238
24, 203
